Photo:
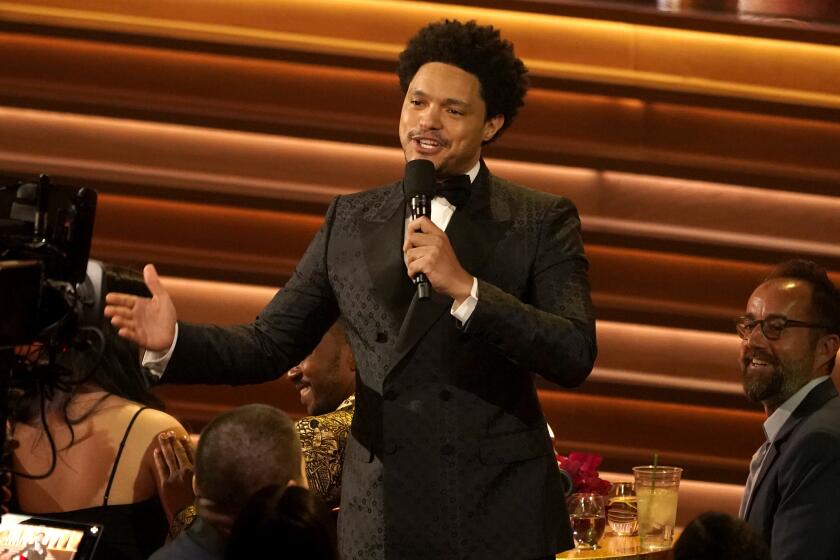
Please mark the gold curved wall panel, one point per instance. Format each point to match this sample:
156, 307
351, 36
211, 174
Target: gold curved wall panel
594, 50
356, 105
242, 164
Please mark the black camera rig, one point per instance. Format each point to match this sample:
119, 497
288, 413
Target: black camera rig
45, 235
51, 294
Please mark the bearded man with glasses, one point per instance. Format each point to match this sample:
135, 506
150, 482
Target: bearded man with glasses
790, 335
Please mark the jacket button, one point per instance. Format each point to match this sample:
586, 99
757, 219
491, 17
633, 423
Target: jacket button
381, 337
445, 395
447, 450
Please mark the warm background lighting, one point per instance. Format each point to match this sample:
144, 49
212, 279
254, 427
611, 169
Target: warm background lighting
217, 131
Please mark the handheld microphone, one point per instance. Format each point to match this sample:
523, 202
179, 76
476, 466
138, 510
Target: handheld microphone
419, 188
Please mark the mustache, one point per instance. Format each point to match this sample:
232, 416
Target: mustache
429, 134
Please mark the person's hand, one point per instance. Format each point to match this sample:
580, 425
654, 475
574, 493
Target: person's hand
148, 322
428, 250
174, 465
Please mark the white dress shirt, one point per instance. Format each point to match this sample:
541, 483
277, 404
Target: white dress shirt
776, 420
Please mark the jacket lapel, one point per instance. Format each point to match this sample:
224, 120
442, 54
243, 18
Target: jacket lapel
382, 233
473, 233
818, 396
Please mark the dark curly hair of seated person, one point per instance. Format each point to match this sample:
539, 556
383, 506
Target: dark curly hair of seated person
477, 49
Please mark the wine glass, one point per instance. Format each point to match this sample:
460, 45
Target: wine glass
587, 514
621, 510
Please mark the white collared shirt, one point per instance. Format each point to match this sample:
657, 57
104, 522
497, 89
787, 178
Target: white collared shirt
776, 420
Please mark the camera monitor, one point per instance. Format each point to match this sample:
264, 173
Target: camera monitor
38, 537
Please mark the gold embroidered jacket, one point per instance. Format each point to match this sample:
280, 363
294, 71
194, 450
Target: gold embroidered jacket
323, 439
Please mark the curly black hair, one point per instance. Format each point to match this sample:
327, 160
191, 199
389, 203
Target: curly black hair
477, 49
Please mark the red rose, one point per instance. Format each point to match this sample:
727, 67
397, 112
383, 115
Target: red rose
583, 469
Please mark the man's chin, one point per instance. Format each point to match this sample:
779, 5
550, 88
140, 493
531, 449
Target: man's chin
307, 404
413, 156
759, 390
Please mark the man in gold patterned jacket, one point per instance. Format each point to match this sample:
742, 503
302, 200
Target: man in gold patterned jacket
326, 380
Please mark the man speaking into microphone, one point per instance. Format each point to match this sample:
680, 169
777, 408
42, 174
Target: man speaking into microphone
449, 456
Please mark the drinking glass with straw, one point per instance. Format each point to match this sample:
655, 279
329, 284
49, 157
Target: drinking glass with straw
656, 495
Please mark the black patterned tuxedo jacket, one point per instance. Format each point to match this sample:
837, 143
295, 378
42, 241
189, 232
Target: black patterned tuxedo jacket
449, 456
795, 504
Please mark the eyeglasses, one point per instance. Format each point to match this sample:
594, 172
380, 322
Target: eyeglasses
771, 327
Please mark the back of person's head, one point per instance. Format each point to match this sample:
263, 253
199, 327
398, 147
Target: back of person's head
719, 536
283, 522
118, 370
243, 450
98, 356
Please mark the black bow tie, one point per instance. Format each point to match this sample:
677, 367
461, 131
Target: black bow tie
455, 189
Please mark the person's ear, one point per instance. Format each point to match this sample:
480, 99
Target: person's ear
827, 348
491, 127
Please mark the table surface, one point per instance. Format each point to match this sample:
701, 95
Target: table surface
613, 546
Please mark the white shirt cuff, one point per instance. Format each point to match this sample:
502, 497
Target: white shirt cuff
464, 311
157, 360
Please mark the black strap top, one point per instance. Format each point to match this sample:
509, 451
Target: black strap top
132, 531
119, 454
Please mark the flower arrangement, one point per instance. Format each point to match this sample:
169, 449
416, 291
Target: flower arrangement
583, 470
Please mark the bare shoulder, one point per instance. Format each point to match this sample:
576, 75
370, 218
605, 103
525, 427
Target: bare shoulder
151, 422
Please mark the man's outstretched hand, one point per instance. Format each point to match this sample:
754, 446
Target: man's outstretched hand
148, 322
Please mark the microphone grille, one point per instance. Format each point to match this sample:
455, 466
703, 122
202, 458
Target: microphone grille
419, 177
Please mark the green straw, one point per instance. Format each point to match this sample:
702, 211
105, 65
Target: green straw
652, 487
653, 474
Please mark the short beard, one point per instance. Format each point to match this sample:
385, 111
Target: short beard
786, 380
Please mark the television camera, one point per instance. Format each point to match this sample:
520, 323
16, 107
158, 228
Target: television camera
51, 294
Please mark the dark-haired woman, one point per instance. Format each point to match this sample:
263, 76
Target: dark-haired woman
91, 426
283, 522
